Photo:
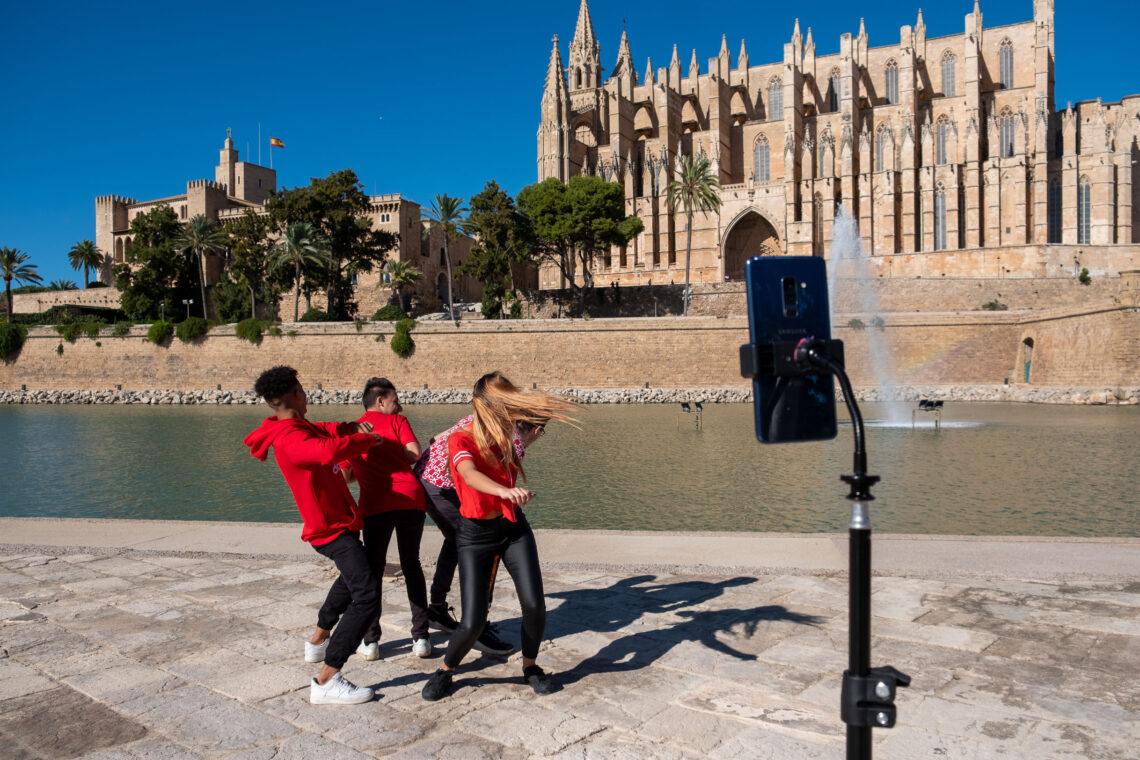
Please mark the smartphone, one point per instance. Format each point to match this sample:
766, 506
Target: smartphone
787, 301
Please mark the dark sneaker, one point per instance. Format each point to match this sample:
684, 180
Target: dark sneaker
537, 679
439, 618
438, 686
489, 643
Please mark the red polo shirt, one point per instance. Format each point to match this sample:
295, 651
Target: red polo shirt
473, 504
384, 473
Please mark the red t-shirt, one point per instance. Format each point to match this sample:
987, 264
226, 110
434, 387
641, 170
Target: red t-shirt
384, 473
473, 504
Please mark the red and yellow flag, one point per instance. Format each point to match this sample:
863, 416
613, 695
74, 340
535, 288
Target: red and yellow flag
276, 143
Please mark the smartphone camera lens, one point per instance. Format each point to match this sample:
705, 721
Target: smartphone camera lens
791, 307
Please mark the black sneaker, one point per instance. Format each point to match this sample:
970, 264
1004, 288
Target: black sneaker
537, 679
439, 618
438, 686
489, 643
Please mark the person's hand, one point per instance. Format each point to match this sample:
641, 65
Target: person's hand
516, 496
364, 427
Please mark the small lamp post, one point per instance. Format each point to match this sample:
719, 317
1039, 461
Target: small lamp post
188, 302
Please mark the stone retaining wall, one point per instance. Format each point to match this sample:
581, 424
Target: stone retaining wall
1015, 393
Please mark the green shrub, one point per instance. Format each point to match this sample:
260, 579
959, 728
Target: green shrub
11, 339
192, 329
159, 331
878, 323
855, 323
359, 324
1084, 276
91, 329
402, 343
994, 305
68, 330
389, 313
314, 315
249, 329
121, 329
516, 310
291, 333
96, 284
275, 331
59, 350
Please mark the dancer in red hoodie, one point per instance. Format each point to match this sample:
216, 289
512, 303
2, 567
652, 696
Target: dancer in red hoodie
308, 453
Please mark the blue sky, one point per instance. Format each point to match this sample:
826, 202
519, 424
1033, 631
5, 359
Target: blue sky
134, 98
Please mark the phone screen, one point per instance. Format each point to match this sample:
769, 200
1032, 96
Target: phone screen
787, 301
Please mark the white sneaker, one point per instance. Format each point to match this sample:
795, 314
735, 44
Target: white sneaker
315, 652
339, 691
369, 651
421, 647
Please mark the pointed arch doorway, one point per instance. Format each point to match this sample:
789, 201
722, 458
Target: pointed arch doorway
749, 235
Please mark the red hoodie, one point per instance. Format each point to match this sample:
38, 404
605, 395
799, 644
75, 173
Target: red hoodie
307, 453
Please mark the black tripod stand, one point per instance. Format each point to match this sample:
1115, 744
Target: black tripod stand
868, 695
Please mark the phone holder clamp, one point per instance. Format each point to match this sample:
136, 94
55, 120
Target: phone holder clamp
787, 358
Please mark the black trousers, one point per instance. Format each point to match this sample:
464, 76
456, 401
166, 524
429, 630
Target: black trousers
481, 544
355, 593
443, 506
408, 525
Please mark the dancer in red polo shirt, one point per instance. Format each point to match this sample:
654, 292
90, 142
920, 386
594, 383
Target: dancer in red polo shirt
392, 500
484, 467
308, 453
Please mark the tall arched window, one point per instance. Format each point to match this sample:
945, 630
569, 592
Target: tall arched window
1055, 210
940, 218
892, 82
1084, 190
881, 146
1006, 132
834, 82
761, 169
941, 139
949, 88
775, 100
1005, 57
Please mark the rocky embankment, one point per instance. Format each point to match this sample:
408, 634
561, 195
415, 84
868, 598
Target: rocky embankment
1015, 393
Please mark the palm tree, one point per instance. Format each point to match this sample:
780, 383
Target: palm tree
445, 214
63, 285
301, 246
401, 274
85, 255
14, 266
201, 236
695, 188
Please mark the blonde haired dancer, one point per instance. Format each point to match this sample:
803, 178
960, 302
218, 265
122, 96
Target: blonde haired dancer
485, 466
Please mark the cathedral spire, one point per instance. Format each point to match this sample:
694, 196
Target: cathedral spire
796, 36
694, 66
723, 44
809, 45
675, 59
555, 74
648, 71
742, 59
585, 53
920, 25
624, 65
584, 31
863, 27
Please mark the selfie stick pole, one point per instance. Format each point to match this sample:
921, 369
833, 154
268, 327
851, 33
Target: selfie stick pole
868, 694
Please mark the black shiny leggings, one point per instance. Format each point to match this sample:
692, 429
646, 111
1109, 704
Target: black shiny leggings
482, 543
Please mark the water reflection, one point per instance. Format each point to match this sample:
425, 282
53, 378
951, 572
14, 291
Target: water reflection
991, 470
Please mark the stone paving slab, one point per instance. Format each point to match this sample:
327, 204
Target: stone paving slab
120, 651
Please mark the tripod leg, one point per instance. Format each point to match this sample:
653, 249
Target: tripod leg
859, 625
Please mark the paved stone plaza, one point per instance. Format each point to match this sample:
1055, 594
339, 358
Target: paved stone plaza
116, 647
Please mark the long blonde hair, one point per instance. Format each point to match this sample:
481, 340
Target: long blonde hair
499, 405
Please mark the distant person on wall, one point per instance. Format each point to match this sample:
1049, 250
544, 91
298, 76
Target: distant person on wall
308, 453
484, 467
391, 499
443, 506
